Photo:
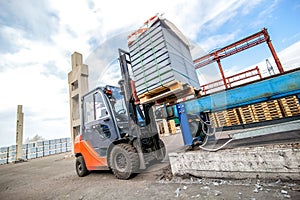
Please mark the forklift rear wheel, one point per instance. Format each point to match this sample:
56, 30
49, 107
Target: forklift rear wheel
81, 167
124, 161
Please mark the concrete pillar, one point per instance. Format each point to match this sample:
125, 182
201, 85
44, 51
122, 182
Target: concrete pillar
78, 86
19, 133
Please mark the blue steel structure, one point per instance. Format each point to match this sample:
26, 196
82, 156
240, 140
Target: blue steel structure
184, 124
274, 87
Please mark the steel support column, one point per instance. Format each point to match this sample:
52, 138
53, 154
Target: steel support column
222, 73
184, 125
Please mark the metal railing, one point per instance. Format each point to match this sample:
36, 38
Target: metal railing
240, 77
35, 150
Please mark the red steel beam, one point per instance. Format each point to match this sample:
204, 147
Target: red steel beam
274, 54
241, 45
231, 49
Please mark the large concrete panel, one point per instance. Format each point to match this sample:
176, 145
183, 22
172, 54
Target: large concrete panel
272, 161
160, 43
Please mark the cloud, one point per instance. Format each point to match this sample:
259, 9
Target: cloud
37, 20
10, 39
247, 8
41, 96
205, 17
265, 14
217, 41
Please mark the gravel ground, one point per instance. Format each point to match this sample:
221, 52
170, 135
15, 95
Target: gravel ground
54, 177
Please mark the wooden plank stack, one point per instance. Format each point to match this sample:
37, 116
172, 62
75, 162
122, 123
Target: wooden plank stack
213, 120
225, 118
290, 106
267, 111
172, 126
274, 109
220, 118
247, 114
161, 128
174, 88
232, 117
259, 112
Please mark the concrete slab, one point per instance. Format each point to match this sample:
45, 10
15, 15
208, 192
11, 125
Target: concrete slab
280, 161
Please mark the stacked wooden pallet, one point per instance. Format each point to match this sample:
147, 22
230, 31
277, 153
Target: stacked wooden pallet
274, 109
161, 129
213, 120
290, 106
166, 127
232, 117
220, 118
247, 114
259, 112
267, 111
173, 89
225, 118
172, 126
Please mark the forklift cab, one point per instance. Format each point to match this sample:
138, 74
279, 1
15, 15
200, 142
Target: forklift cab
104, 119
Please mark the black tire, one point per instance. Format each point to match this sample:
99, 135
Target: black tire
81, 167
124, 161
163, 148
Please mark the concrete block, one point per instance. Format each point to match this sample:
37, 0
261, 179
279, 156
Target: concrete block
272, 162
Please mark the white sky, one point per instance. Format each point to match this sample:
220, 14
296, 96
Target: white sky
37, 39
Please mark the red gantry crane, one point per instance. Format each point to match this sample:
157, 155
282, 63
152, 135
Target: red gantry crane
236, 47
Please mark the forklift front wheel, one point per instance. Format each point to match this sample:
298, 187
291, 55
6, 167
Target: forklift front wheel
81, 167
124, 161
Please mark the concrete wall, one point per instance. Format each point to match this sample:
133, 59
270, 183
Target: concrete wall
274, 162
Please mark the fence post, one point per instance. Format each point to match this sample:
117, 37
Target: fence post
27, 152
7, 155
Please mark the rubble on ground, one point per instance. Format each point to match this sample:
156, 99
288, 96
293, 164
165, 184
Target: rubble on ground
213, 187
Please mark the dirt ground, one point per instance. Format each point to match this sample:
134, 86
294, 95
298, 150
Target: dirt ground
54, 177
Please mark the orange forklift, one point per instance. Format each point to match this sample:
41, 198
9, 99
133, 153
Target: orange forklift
117, 132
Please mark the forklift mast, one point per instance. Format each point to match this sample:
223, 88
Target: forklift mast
126, 91
124, 59
140, 116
